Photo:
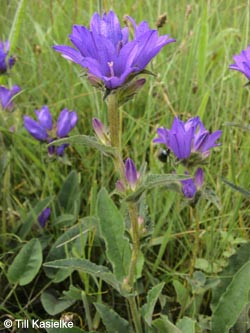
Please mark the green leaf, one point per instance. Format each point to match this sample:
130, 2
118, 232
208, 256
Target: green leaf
86, 266
164, 325
64, 244
26, 264
232, 302
236, 261
186, 325
111, 225
32, 217
154, 180
181, 293
89, 141
68, 200
112, 321
53, 305
152, 297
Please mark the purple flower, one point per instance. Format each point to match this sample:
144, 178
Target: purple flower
184, 138
242, 62
6, 96
44, 130
4, 62
106, 52
44, 216
191, 186
131, 173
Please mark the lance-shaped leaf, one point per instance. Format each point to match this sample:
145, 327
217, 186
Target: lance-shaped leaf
112, 229
170, 181
232, 302
86, 266
152, 297
89, 141
112, 321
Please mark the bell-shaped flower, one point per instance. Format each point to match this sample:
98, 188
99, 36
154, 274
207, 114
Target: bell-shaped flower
5, 61
106, 52
6, 96
45, 130
188, 137
191, 185
131, 173
242, 62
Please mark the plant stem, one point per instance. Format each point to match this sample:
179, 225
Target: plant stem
115, 137
193, 214
135, 314
114, 121
136, 242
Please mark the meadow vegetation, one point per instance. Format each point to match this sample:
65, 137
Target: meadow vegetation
186, 246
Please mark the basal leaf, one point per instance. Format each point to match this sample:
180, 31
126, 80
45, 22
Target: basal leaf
54, 305
26, 264
232, 301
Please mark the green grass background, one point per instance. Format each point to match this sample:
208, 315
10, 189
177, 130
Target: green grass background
192, 79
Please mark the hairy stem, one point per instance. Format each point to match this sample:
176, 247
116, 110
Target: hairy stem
193, 214
136, 242
114, 121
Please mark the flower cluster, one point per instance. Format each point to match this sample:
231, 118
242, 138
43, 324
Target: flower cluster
242, 62
185, 140
106, 51
45, 130
188, 137
5, 62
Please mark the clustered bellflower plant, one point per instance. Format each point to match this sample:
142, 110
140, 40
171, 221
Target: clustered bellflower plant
112, 60
44, 129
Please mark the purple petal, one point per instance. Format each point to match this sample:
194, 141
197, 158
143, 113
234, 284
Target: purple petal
6, 96
44, 216
66, 122
131, 173
45, 117
60, 149
242, 62
35, 129
69, 53
188, 188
